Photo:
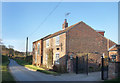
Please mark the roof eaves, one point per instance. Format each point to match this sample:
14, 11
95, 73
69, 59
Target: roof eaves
100, 31
111, 47
62, 31
42, 38
52, 35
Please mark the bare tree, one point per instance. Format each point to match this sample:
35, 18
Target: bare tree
11, 50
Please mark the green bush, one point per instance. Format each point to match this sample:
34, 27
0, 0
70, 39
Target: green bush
55, 68
60, 68
23, 61
6, 75
4, 59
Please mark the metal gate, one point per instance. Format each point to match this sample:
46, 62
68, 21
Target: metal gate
81, 64
104, 68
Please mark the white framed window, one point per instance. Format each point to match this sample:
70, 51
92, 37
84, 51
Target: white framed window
38, 48
57, 58
35, 56
57, 40
47, 43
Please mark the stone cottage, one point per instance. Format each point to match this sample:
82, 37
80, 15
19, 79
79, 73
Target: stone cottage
66, 43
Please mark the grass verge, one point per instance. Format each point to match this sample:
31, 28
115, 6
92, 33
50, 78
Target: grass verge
22, 62
6, 75
28, 65
117, 80
41, 70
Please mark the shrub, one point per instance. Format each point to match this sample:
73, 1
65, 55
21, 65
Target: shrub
60, 68
55, 68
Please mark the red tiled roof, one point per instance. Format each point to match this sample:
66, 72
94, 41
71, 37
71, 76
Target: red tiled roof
61, 31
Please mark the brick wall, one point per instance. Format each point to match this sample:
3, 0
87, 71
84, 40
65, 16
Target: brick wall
79, 39
82, 38
114, 67
113, 53
35, 46
52, 44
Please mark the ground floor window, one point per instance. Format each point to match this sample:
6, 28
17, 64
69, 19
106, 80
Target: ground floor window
36, 57
41, 59
57, 58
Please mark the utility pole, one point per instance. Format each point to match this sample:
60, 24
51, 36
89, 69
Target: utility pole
27, 47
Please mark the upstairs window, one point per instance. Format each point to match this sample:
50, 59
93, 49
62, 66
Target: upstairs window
57, 40
47, 43
38, 48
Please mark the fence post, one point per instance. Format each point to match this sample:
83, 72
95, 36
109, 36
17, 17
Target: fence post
102, 68
76, 64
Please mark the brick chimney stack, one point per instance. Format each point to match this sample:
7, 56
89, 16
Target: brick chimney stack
65, 24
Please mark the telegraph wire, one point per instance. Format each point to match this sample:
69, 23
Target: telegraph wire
45, 18
41, 25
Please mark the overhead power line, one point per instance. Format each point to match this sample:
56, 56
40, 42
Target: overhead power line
45, 19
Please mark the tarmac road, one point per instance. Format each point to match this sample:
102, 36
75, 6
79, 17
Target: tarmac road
20, 73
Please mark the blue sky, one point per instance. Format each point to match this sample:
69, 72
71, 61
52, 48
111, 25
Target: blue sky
20, 19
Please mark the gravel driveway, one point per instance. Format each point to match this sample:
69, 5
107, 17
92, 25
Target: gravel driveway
20, 73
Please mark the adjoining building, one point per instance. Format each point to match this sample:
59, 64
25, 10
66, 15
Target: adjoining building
114, 51
60, 47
